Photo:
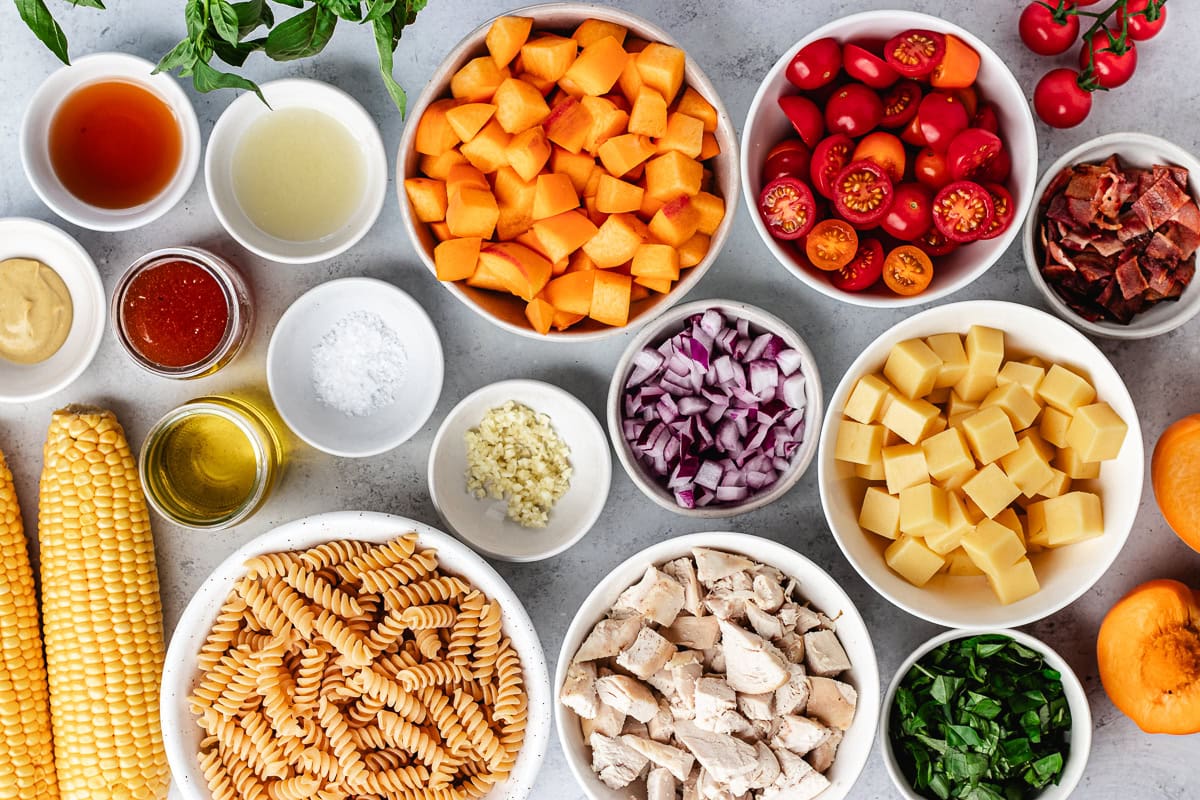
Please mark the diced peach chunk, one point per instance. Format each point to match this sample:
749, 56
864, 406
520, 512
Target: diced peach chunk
562, 235
709, 147
463, 176
580, 262
565, 319
455, 259
630, 81
528, 151
568, 124
472, 212
427, 197
593, 30
637, 292
554, 195
506, 37
522, 271
577, 166
660, 285
662, 67
607, 121
440, 230
620, 155
549, 56
487, 152
693, 104
434, 132
712, 211
571, 292
693, 251
616, 241
469, 118
649, 115
676, 222
684, 133
610, 297
512, 222
540, 315
438, 167
673, 174
598, 66
485, 277
656, 261
519, 106
477, 80
615, 196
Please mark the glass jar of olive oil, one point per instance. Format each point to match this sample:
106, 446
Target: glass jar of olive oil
212, 462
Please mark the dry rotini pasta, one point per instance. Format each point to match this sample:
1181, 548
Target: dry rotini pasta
357, 670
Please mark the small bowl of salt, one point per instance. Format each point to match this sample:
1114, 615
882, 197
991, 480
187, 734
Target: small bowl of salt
355, 367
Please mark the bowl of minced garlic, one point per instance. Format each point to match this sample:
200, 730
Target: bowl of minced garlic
520, 470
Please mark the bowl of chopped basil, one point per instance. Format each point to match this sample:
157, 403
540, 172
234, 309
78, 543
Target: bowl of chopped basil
985, 715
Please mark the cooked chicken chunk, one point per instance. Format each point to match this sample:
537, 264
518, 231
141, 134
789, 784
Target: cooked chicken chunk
716, 707
831, 702
676, 761
768, 594
609, 637
821, 758
712, 565
725, 758
797, 780
660, 785
579, 689
683, 570
649, 653
658, 597
765, 624
617, 764
751, 664
662, 727
767, 771
801, 735
627, 695
699, 633
824, 655
792, 697
757, 706
608, 722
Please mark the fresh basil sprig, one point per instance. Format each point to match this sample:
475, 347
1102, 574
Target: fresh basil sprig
39, 19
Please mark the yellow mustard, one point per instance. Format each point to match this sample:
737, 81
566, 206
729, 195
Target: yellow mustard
35, 311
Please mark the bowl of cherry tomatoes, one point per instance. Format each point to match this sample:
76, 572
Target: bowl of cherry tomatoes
888, 159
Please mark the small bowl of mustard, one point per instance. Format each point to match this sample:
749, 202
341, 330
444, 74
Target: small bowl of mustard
52, 310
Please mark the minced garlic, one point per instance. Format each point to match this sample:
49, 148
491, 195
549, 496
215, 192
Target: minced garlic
515, 454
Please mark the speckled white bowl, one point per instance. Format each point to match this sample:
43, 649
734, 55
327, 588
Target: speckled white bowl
181, 734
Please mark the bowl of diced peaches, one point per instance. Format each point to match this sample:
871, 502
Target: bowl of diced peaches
568, 172
981, 464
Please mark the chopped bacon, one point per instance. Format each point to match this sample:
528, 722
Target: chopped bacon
1130, 278
1160, 202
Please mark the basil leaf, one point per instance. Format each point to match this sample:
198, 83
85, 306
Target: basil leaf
252, 15
983, 706
236, 56
87, 3
181, 55
385, 43
41, 22
193, 15
304, 35
292, 3
945, 687
378, 8
962, 735
224, 20
207, 78
349, 10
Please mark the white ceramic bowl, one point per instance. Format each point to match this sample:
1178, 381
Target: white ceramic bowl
35, 148
290, 369
1064, 573
1080, 736
181, 734
766, 125
667, 326
484, 524
294, 93
815, 585
1135, 150
509, 312
41, 241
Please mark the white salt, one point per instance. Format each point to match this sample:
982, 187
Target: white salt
358, 366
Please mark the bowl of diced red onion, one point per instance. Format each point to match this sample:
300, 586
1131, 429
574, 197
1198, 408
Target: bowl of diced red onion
715, 409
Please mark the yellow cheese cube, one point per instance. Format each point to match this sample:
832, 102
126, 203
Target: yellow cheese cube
912, 368
923, 510
1076, 468
947, 454
1009, 519
858, 443
915, 562
1097, 432
975, 385
1054, 425
1028, 376
1057, 486
913, 420
949, 348
870, 472
938, 425
958, 524
990, 434
1064, 390
1074, 517
956, 405
904, 466
955, 482
985, 350
939, 397
1034, 361
1014, 401
1014, 583
992, 546
865, 403
1035, 525
880, 513
1026, 468
1046, 450
991, 490
960, 565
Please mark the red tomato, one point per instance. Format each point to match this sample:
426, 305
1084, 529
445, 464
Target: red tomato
900, 104
790, 157
963, 211
831, 245
805, 117
863, 65
999, 168
815, 65
884, 149
915, 53
911, 215
862, 194
1060, 101
931, 169
1136, 15
935, 244
942, 117
853, 110
787, 208
1045, 34
864, 271
1112, 69
912, 133
829, 158
988, 118
971, 151
1004, 207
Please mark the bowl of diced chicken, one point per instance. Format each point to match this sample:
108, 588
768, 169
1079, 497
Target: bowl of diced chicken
717, 664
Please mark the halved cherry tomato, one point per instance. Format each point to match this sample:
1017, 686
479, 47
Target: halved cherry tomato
963, 211
931, 169
912, 133
971, 151
790, 157
853, 110
942, 117
884, 149
831, 244
787, 208
1004, 207
907, 270
969, 97
999, 168
829, 158
987, 117
915, 52
863, 271
910, 216
815, 65
862, 194
805, 117
959, 66
900, 104
863, 65
935, 244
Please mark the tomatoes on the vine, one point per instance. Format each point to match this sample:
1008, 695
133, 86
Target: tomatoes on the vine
862, 194
910, 216
1059, 99
863, 271
1135, 18
817, 64
853, 110
1110, 68
1046, 32
963, 211
787, 208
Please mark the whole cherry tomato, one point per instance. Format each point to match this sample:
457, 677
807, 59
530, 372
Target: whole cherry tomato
864, 271
863, 65
1060, 101
1004, 207
787, 208
862, 194
963, 211
900, 104
1111, 68
853, 110
791, 157
911, 215
915, 53
1136, 17
831, 244
805, 117
942, 117
1045, 32
907, 270
830, 157
884, 149
971, 151
931, 169
815, 65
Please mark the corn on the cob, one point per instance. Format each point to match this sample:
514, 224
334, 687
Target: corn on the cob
101, 612
26, 749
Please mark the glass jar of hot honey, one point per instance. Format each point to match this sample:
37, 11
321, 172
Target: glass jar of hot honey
181, 312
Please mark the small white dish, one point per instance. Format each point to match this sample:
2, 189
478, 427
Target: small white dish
1135, 150
1080, 737
823, 593
41, 241
484, 524
290, 368
181, 734
35, 148
248, 109
667, 326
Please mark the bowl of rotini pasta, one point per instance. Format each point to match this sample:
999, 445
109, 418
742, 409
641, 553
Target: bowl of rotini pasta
355, 653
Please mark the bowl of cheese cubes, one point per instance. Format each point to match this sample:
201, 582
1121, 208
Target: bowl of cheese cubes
981, 464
